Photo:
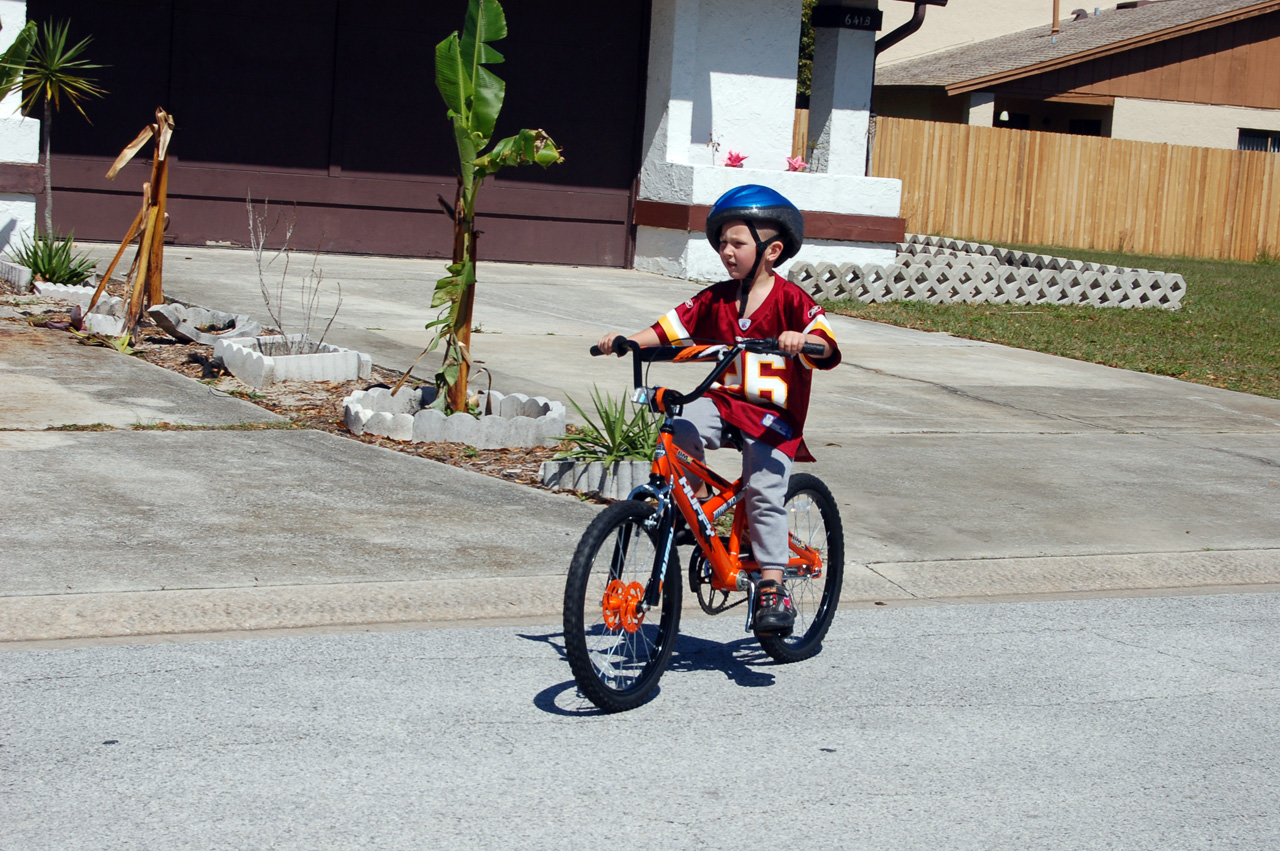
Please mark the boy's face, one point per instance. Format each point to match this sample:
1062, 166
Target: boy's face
738, 248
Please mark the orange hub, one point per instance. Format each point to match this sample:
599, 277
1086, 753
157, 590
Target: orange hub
620, 602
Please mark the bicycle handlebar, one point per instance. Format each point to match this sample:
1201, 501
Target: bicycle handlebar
766, 346
620, 346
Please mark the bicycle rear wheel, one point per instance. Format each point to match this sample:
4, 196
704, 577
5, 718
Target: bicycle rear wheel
618, 651
813, 519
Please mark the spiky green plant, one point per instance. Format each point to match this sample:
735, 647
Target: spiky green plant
613, 435
51, 258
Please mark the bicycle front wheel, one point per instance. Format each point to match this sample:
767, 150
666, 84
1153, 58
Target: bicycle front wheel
814, 520
616, 649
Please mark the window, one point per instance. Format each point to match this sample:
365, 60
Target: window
1259, 140
1014, 120
1085, 126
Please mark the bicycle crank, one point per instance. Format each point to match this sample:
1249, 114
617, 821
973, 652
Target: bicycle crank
700, 585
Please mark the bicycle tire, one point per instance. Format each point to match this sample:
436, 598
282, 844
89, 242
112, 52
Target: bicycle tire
812, 516
616, 668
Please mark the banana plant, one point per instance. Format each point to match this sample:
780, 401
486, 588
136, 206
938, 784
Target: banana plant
14, 58
473, 95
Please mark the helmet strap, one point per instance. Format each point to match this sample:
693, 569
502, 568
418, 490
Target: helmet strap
760, 247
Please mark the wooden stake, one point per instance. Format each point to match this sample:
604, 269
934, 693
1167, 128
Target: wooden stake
147, 286
155, 288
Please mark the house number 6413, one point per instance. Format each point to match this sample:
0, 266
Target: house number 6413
848, 19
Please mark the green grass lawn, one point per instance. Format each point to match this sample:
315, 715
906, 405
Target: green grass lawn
1227, 333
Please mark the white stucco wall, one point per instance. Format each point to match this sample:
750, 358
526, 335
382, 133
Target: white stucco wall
719, 80
724, 71
1202, 125
840, 106
689, 255
982, 109
680, 255
19, 137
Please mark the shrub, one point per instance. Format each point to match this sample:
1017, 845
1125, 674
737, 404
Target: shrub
615, 437
50, 259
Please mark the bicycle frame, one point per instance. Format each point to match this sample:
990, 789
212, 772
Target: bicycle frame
730, 571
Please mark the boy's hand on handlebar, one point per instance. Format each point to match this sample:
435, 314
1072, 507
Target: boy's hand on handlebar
620, 345
791, 342
605, 345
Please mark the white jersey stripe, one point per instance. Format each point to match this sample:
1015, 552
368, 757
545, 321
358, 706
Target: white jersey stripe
819, 323
675, 330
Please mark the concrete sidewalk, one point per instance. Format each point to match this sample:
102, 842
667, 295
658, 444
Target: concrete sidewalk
963, 470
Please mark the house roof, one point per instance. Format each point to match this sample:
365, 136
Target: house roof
1034, 51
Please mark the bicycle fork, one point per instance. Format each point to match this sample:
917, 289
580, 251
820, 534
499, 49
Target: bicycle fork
662, 519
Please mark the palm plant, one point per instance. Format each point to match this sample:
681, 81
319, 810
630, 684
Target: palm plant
53, 71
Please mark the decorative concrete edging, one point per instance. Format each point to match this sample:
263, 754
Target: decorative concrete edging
508, 420
259, 361
185, 323
16, 274
107, 316
920, 245
613, 481
948, 271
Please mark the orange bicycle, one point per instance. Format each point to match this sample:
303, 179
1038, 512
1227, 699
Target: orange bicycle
622, 601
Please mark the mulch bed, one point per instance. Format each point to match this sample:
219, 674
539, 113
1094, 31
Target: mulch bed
314, 405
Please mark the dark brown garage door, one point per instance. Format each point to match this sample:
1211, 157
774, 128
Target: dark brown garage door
330, 105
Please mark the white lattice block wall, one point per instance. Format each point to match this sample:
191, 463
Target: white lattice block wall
943, 271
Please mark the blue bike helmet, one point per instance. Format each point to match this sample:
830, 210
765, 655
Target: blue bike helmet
753, 203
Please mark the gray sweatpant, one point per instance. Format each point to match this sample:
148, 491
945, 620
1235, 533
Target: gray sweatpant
765, 473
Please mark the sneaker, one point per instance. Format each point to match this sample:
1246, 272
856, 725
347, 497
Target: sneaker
775, 615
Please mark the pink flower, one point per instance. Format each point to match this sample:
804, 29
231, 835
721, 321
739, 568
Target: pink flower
796, 164
734, 159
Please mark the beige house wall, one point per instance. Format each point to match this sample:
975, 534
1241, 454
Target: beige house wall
1202, 125
964, 22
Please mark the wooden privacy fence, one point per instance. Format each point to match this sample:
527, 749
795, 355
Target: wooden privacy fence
997, 185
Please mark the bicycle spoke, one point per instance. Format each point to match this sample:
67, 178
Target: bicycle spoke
814, 521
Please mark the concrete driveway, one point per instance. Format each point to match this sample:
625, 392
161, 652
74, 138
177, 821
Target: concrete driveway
963, 470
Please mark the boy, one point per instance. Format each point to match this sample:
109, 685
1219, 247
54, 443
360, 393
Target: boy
765, 397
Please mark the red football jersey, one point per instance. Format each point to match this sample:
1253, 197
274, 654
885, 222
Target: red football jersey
766, 396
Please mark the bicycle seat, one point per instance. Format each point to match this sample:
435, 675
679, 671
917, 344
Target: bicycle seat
731, 437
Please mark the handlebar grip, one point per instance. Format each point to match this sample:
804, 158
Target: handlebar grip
811, 349
621, 345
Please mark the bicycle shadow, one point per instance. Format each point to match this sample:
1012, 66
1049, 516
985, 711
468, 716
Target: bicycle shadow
738, 660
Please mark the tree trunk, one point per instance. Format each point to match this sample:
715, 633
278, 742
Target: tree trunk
462, 330
48, 169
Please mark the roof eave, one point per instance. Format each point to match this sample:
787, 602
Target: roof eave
979, 83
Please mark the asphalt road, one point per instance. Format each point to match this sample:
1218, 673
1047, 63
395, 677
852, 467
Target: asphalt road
1111, 723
